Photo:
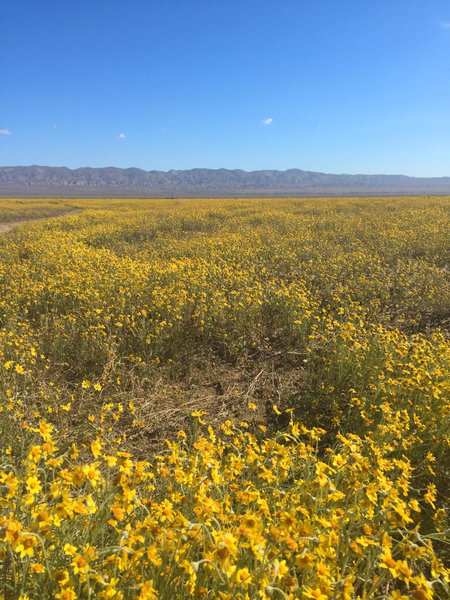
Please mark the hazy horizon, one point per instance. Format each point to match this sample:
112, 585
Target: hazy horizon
215, 169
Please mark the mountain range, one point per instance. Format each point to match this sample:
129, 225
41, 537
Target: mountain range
35, 181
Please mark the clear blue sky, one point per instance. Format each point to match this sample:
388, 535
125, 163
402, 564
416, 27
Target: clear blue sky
341, 86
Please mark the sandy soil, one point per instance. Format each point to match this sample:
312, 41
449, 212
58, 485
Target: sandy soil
7, 226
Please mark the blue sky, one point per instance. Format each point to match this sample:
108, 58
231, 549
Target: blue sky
340, 86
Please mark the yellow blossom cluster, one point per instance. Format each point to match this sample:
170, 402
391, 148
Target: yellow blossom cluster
229, 515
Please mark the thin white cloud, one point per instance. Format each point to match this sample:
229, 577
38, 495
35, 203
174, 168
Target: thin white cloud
445, 24
268, 121
121, 136
5, 132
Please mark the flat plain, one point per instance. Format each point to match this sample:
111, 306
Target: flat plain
234, 398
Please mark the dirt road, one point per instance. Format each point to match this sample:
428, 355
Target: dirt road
7, 226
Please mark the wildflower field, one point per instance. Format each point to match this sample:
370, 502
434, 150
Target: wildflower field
225, 399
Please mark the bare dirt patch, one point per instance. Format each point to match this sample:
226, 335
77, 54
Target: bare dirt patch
7, 226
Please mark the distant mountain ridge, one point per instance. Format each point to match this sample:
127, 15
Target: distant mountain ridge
133, 182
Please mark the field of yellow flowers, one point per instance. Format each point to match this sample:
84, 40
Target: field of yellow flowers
240, 399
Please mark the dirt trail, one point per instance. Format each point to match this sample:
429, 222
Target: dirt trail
7, 226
